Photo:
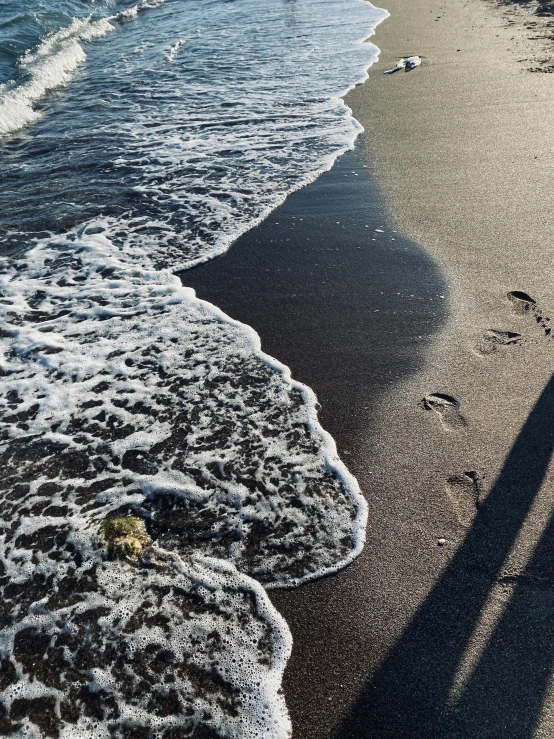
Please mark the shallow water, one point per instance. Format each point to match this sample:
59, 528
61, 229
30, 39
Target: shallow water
138, 139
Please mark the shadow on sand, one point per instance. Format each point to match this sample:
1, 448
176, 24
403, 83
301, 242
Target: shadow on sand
408, 698
348, 304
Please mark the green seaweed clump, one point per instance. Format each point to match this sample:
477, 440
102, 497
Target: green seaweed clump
125, 537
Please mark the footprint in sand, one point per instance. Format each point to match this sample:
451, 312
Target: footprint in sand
523, 304
447, 408
464, 493
494, 340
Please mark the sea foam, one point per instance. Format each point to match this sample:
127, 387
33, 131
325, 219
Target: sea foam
52, 65
124, 394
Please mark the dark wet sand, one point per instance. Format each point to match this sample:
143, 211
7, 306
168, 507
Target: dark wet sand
351, 311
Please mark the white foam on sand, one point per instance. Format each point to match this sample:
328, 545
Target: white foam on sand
124, 394
158, 652
183, 395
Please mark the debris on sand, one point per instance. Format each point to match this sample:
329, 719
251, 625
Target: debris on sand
125, 537
406, 64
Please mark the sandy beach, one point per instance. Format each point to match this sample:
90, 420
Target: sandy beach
460, 149
443, 626
181, 514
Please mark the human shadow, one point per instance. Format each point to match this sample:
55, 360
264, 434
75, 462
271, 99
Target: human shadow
507, 686
332, 292
408, 698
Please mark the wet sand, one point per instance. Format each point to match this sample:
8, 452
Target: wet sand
443, 627
347, 303
351, 307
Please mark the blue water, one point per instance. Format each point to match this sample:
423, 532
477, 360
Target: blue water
198, 143
137, 139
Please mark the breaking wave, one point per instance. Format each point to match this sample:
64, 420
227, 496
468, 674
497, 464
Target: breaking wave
52, 65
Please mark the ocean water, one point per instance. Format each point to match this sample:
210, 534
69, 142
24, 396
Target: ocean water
137, 139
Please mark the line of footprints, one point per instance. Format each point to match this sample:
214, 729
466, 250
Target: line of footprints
464, 490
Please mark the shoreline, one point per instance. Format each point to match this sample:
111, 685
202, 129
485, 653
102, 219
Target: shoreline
410, 287
442, 626
351, 311
326, 259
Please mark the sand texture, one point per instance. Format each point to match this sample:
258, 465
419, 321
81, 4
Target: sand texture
446, 623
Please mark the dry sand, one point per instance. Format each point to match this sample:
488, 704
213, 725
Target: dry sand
445, 626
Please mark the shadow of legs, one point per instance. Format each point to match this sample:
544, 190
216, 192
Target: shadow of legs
407, 696
514, 670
